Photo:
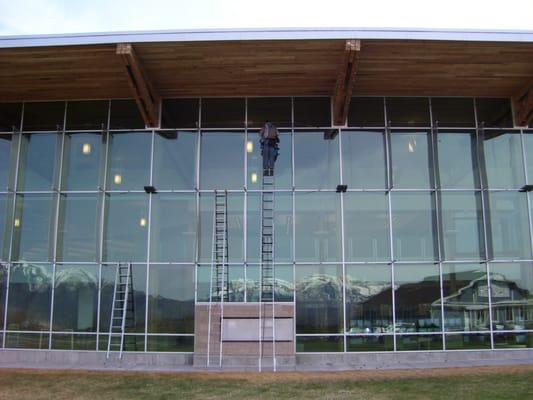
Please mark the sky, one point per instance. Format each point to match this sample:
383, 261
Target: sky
26, 17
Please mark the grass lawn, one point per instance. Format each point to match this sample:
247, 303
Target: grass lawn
511, 382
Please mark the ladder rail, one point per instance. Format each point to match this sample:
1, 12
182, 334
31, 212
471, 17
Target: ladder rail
112, 313
119, 305
211, 284
223, 283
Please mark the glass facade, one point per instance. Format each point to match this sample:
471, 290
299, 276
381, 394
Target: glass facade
430, 247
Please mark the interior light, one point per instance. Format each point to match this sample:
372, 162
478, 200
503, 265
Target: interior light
411, 146
17, 222
117, 179
86, 149
249, 146
254, 177
142, 222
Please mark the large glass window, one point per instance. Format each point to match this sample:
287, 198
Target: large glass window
30, 292
408, 111
38, 161
453, 111
368, 299
10, 116
363, 159
77, 234
125, 227
411, 166
83, 161
33, 227
87, 115
366, 227
222, 160
3, 291
179, 113
173, 227
223, 112
5, 226
366, 111
494, 112
175, 160
465, 301
8, 159
235, 217
413, 226
171, 299
317, 224
512, 296
274, 109
283, 243
75, 298
503, 159
312, 111
462, 226
283, 166
528, 144
319, 299
457, 160
417, 298
125, 115
508, 226
129, 161
316, 160
44, 116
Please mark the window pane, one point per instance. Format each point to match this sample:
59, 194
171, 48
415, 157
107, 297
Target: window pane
408, 111
3, 291
30, 292
171, 299
284, 282
33, 227
73, 342
178, 344
283, 245
513, 340
283, 166
175, 160
368, 299
366, 111
494, 112
179, 113
370, 343
44, 116
411, 167
466, 302
83, 161
457, 160
274, 109
508, 226
125, 227
503, 159
173, 229
318, 236
418, 342
27, 340
312, 111
87, 115
77, 234
125, 115
363, 159
366, 226
467, 341
462, 226
528, 144
319, 344
417, 298
129, 161
512, 296
136, 315
6, 208
10, 116
38, 161
319, 299
413, 226
8, 159
222, 113
75, 298
453, 111
222, 160
316, 160
235, 227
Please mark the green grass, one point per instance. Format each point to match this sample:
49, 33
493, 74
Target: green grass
30, 384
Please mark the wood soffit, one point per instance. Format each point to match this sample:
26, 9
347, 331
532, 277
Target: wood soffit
269, 68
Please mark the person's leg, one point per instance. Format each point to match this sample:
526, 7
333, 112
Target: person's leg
265, 156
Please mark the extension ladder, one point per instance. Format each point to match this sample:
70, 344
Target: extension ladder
122, 308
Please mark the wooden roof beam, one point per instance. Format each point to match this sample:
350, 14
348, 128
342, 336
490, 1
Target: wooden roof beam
342, 92
146, 97
523, 105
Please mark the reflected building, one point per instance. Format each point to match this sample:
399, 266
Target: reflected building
405, 226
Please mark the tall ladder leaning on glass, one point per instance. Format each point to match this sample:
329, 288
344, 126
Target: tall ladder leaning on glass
123, 309
218, 283
267, 329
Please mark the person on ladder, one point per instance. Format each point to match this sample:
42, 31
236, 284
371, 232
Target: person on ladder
269, 147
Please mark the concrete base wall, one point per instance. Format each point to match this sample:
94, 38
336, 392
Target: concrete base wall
58, 359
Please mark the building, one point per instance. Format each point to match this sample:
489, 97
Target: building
401, 195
